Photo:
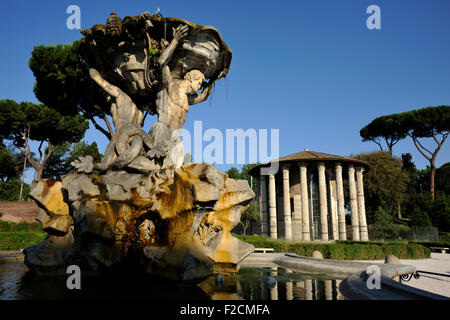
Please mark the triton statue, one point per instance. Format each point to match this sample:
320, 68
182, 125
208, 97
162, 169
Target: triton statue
141, 207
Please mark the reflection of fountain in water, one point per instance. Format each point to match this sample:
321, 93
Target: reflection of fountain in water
249, 284
278, 283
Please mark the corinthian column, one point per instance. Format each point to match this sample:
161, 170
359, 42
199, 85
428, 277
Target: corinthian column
287, 204
297, 232
340, 202
272, 207
353, 203
323, 202
361, 206
305, 206
333, 204
263, 204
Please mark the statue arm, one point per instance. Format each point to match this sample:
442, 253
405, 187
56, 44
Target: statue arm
105, 85
195, 98
179, 34
166, 76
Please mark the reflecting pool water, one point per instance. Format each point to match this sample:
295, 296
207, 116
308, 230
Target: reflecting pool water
17, 283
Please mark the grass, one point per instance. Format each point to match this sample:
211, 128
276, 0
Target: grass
15, 236
343, 250
15, 240
22, 226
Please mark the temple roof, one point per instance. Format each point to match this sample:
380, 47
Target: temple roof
310, 156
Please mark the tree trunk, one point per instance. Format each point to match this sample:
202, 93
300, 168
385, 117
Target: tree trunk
39, 171
39, 166
433, 174
399, 210
244, 228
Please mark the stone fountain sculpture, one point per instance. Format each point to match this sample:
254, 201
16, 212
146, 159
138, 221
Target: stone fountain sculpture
141, 207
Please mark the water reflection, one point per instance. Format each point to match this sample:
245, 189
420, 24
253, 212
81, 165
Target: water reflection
273, 284
248, 284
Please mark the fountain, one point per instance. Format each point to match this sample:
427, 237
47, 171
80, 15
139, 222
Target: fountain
141, 207
145, 213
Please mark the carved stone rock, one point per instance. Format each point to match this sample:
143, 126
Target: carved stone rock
171, 223
140, 207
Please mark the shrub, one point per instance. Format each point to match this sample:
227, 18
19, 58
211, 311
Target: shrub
420, 218
438, 210
343, 250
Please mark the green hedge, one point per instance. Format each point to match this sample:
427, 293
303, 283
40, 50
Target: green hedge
22, 226
343, 250
20, 239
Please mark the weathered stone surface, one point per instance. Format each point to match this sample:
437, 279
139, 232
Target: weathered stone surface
317, 254
139, 206
54, 212
81, 186
51, 255
391, 259
173, 223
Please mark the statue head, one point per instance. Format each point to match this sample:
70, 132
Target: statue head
195, 78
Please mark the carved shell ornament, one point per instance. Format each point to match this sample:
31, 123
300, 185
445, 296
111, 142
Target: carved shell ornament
126, 53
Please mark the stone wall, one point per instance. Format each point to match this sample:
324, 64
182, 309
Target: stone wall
18, 211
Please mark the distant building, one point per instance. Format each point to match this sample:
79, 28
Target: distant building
304, 199
18, 211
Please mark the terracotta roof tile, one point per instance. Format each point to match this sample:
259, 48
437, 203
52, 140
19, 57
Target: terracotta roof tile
309, 156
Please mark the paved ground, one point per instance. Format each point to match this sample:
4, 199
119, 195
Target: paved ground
439, 263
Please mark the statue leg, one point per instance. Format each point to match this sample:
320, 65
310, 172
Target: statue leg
130, 154
110, 156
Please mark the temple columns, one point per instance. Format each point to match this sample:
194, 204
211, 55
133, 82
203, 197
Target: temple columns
272, 207
361, 206
297, 220
263, 204
353, 203
323, 202
333, 204
305, 206
287, 204
289, 288
297, 229
340, 202
274, 289
308, 289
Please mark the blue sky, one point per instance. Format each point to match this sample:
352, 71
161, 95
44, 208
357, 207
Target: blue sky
311, 69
